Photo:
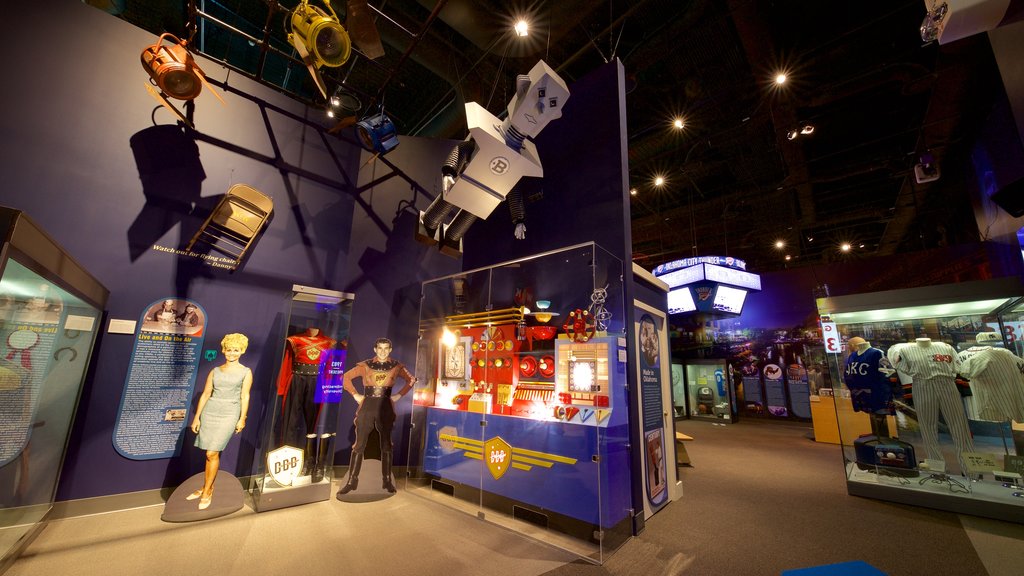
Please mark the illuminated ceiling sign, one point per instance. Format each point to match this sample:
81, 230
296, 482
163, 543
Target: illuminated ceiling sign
732, 277
683, 276
727, 261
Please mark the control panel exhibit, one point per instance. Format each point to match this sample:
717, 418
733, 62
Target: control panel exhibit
520, 404
930, 402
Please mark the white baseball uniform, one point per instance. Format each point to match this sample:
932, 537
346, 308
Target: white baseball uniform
933, 366
997, 382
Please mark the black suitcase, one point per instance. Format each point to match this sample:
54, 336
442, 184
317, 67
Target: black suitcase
891, 455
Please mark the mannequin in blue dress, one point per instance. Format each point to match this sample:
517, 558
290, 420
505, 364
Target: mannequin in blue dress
221, 411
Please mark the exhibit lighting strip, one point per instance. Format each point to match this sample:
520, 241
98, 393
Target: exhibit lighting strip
474, 319
916, 312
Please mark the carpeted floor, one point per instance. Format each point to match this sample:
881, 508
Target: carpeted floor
760, 498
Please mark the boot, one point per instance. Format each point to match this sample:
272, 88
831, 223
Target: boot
309, 457
354, 464
385, 471
322, 457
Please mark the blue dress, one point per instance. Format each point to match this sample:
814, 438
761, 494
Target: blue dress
223, 408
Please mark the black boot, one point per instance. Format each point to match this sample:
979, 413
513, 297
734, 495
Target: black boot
323, 457
354, 464
309, 456
385, 471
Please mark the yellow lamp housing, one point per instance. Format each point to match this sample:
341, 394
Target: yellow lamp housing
321, 35
172, 68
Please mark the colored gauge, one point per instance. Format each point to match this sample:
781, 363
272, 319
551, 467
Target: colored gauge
528, 366
547, 366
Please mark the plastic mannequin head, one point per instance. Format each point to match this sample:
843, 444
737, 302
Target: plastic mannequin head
857, 343
923, 341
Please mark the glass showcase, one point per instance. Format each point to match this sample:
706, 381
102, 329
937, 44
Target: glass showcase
520, 411
296, 465
50, 311
929, 395
707, 390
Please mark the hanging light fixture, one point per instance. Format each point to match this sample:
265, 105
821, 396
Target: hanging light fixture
175, 74
314, 32
172, 68
377, 133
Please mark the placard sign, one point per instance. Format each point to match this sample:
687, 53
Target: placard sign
830, 336
161, 378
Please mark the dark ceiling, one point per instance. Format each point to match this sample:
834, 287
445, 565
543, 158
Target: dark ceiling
877, 96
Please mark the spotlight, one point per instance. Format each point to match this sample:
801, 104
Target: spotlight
845, 247
377, 133
522, 28
780, 79
792, 134
678, 124
780, 244
319, 38
659, 181
172, 69
807, 129
632, 191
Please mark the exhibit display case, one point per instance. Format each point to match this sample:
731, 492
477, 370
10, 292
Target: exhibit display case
928, 390
520, 410
50, 313
708, 391
296, 462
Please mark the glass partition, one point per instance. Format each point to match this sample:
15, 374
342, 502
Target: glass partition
929, 395
48, 325
296, 462
520, 414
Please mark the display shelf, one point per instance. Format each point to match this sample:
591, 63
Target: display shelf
929, 388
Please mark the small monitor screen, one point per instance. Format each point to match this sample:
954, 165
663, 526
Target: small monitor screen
729, 299
680, 300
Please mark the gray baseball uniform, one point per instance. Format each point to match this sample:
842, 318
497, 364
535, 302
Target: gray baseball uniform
933, 366
997, 382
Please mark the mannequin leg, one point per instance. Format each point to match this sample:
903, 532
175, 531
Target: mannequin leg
354, 464
385, 471
309, 455
322, 457
210, 476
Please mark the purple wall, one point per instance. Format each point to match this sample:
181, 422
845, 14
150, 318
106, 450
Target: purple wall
91, 158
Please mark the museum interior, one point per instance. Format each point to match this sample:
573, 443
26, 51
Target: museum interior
513, 287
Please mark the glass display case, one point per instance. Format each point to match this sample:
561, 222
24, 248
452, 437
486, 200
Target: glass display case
928, 388
707, 390
296, 463
520, 411
50, 312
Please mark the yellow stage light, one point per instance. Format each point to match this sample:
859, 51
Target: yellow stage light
319, 35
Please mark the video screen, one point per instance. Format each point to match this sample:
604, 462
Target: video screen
680, 300
729, 299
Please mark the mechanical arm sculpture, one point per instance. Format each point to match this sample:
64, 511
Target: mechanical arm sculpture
482, 170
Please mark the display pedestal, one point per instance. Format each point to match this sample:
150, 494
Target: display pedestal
828, 414
371, 486
228, 497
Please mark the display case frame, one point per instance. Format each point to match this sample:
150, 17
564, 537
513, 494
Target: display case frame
912, 456
709, 393
296, 461
51, 311
534, 435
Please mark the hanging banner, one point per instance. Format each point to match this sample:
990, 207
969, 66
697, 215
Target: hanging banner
161, 378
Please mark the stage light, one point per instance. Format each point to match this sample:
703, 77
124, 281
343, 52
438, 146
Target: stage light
522, 28
659, 181
792, 134
780, 244
377, 133
319, 34
845, 247
172, 68
931, 26
807, 129
780, 79
678, 124
632, 191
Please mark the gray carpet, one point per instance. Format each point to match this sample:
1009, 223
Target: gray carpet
762, 498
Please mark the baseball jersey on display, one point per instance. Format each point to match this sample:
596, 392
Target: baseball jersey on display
997, 382
867, 377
